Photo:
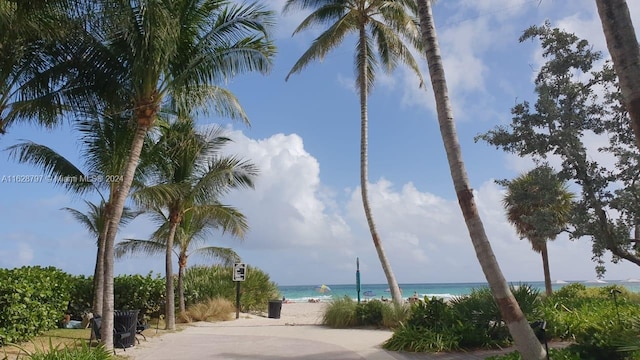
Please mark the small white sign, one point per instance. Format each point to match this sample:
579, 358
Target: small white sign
239, 271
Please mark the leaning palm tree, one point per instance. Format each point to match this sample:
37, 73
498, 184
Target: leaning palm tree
526, 341
625, 53
104, 151
189, 182
382, 27
168, 52
195, 229
539, 205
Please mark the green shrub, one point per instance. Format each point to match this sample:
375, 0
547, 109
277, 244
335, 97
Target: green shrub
555, 354
32, 300
393, 315
370, 313
340, 313
81, 295
81, 351
418, 339
202, 283
144, 293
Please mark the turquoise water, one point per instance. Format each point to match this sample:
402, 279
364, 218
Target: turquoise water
303, 293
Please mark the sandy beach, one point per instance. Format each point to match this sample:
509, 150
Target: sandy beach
296, 335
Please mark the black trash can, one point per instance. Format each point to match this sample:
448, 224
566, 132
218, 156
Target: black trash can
275, 306
125, 323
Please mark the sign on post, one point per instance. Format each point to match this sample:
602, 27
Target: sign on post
239, 271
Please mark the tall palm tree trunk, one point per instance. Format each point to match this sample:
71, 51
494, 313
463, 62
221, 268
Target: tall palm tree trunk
526, 341
170, 297
181, 269
623, 47
364, 182
545, 265
144, 123
98, 274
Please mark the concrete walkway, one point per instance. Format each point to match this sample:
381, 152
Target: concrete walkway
277, 341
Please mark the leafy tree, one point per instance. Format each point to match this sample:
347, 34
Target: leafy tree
173, 53
519, 328
539, 205
382, 27
568, 110
625, 52
185, 193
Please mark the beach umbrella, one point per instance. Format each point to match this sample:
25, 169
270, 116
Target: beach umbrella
322, 289
369, 293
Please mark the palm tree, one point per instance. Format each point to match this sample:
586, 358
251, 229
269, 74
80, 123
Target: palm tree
94, 220
34, 76
625, 53
528, 345
539, 205
189, 183
194, 229
169, 52
381, 26
105, 153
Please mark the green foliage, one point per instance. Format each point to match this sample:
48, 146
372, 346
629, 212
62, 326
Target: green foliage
144, 293
79, 351
591, 318
202, 283
32, 299
340, 313
555, 354
418, 339
81, 296
394, 314
468, 322
370, 313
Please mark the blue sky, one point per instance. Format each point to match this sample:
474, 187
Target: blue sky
306, 217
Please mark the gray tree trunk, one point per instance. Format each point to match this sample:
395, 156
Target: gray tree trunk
396, 296
545, 265
623, 47
112, 229
170, 297
526, 341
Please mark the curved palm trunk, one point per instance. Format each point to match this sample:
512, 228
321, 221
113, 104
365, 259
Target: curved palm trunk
170, 297
526, 341
182, 267
364, 187
144, 123
623, 47
545, 266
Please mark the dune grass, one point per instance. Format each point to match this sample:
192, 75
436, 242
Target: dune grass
216, 309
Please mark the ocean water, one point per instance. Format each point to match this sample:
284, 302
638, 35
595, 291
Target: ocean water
304, 293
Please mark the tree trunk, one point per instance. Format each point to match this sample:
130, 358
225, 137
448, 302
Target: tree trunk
181, 269
526, 341
396, 296
545, 266
98, 274
623, 47
112, 228
170, 303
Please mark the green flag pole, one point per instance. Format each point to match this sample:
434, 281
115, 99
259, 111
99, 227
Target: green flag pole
358, 278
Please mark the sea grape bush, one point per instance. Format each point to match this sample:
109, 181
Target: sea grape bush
32, 300
144, 293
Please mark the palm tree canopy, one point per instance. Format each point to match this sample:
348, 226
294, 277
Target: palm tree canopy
387, 24
538, 204
94, 219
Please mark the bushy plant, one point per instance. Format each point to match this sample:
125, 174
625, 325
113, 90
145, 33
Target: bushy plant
32, 300
419, 339
137, 292
370, 313
340, 313
202, 283
81, 295
218, 309
78, 351
592, 318
394, 314
555, 354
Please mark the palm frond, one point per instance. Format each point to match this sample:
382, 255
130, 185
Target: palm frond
226, 256
133, 246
